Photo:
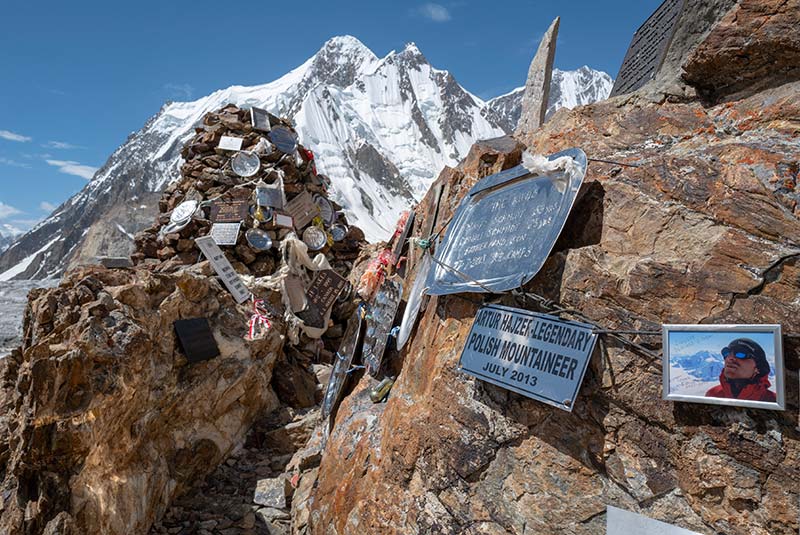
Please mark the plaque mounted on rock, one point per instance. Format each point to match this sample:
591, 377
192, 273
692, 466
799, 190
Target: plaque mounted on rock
539, 356
505, 227
195, 339
621, 522
230, 143
223, 268
282, 220
284, 139
225, 233
415, 297
379, 322
259, 119
348, 349
229, 211
245, 163
400, 242
648, 48
320, 296
302, 209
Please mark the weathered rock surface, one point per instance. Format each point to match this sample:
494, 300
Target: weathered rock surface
537, 87
109, 420
704, 230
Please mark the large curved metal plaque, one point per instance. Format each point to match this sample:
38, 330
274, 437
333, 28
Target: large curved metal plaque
504, 229
379, 322
414, 302
342, 360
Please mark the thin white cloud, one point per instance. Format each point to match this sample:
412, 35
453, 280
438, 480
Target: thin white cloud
13, 163
47, 206
61, 145
74, 168
11, 136
179, 91
434, 12
6, 210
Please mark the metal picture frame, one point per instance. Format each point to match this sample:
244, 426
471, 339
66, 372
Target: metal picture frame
690, 365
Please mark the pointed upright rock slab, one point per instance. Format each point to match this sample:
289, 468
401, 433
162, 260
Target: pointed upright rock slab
537, 87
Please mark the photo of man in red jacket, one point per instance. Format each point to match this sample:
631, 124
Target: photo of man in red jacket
744, 375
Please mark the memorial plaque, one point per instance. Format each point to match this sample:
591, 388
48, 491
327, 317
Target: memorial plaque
539, 356
183, 212
284, 139
230, 143
504, 229
325, 288
229, 211
302, 209
621, 522
414, 301
259, 119
223, 268
379, 322
342, 361
648, 48
315, 238
258, 239
271, 195
245, 163
225, 233
196, 340
115, 262
282, 220
326, 211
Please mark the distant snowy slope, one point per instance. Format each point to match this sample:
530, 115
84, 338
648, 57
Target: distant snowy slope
381, 128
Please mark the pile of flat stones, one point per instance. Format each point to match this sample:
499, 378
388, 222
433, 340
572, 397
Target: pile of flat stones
207, 174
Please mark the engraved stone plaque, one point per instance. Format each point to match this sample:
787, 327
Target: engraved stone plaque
302, 209
648, 48
325, 288
504, 229
229, 211
196, 339
379, 322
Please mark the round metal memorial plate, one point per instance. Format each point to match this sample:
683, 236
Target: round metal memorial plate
339, 232
315, 238
284, 139
263, 216
258, 239
245, 163
183, 212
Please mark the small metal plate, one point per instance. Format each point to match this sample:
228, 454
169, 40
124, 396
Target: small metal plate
245, 163
259, 119
183, 211
258, 239
414, 301
195, 339
342, 361
230, 143
284, 139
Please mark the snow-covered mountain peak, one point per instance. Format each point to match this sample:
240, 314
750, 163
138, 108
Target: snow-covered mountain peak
340, 61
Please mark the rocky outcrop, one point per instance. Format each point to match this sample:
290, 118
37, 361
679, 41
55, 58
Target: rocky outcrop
536, 95
702, 230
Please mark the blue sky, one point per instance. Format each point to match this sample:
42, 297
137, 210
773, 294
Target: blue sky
79, 77
691, 342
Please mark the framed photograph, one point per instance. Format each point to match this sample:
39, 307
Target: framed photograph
740, 365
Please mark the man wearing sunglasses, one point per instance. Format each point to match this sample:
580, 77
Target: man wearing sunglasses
744, 375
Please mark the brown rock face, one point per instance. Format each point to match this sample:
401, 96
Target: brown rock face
704, 230
757, 45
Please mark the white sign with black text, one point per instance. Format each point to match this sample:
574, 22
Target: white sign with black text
223, 268
539, 356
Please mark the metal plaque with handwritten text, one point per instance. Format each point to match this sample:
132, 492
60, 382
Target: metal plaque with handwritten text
504, 229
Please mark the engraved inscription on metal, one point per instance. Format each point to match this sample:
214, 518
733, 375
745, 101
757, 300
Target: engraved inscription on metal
379, 323
196, 339
539, 356
414, 301
223, 268
325, 288
315, 238
230, 143
621, 522
282, 220
229, 211
258, 239
504, 229
648, 48
259, 119
183, 212
302, 209
245, 163
344, 357
225, 233
284, 139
